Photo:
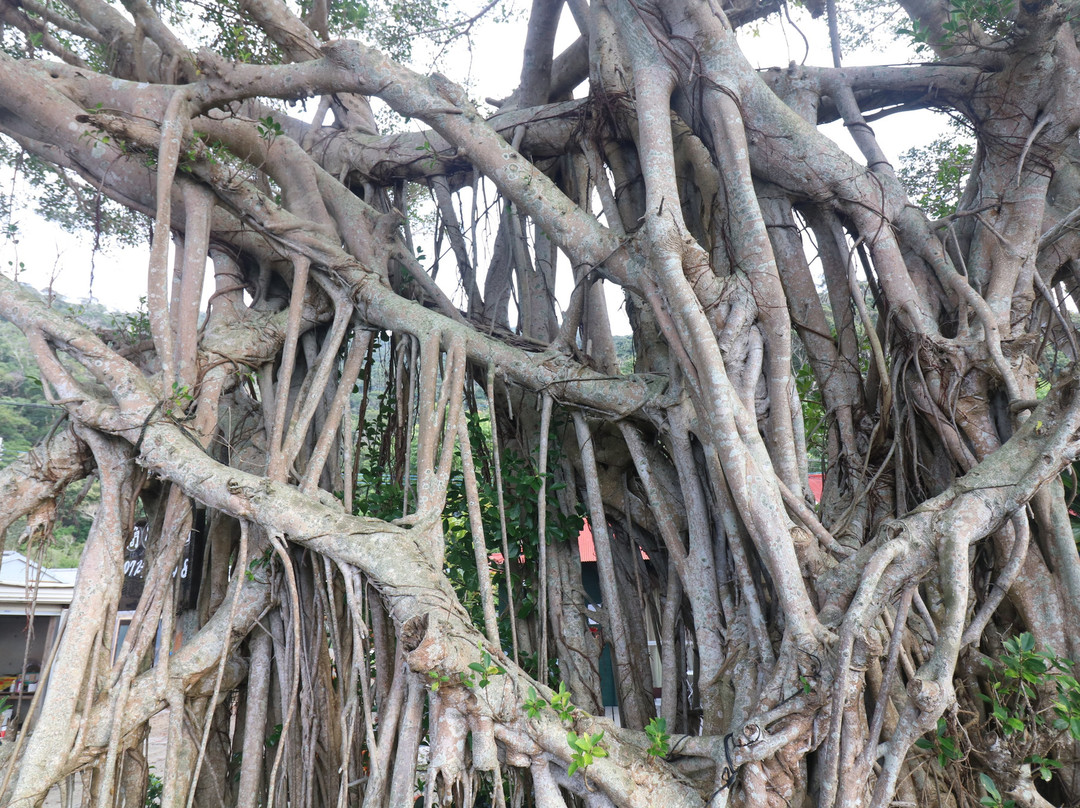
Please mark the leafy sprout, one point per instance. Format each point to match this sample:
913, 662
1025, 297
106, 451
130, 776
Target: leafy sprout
584, 749
659, 739
485, 669
534, 704
941, 744
560, 703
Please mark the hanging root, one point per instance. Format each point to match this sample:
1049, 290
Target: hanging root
177, 120
485, 753
545, 789
447, 773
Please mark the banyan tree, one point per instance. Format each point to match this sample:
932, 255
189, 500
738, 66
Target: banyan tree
378, 439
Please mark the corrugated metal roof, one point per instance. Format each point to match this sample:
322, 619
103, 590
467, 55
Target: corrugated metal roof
19, 576
17, 569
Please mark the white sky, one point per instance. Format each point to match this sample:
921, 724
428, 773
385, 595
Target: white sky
50, 256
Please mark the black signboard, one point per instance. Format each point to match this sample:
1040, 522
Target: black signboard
134, 567
190, 568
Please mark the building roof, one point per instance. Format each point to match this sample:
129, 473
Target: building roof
19, 577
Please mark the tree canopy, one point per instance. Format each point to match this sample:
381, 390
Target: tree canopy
380, 485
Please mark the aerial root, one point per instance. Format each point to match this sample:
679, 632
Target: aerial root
545, 790
447, 755
485, 753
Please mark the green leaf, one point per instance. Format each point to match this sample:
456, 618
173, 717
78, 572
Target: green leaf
991, 787
1074, 727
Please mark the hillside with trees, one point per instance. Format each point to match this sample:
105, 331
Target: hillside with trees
26, 419
364, 467
25, 415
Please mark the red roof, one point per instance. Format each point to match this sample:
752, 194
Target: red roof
587, 548
585, 545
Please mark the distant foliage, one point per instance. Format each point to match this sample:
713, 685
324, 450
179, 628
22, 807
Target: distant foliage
380, 496
624, 352
62, 197
26, 417
868, 23
969, 23
878, 24
934, 175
